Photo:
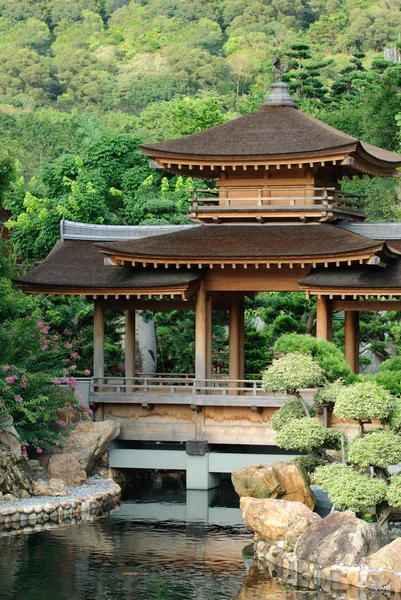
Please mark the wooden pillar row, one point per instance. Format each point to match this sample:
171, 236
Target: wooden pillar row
351, 339
324, 319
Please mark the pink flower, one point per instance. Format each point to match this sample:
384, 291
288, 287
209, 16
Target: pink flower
62, 423
89, 411
34, 335
6, 368
10, 380
45, 347
56, 382
24, 382
19, 399
75, 356
87, 372
68, 346
39, 450
44, 331
41, 408
57, 444
69, 440
72, 381
40, 324
169, 357
24, 444
73, 367
24, 452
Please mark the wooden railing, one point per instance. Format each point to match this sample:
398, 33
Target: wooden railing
270, 198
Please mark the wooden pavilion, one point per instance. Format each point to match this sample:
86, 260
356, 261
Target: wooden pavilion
277, 221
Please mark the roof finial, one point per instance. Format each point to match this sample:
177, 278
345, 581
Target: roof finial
279, 95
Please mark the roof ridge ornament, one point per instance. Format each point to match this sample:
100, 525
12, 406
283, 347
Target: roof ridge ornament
279, 95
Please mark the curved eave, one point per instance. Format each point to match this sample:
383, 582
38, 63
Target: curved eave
361, 257
183, 291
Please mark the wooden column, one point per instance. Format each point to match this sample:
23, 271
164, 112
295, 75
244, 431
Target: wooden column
200, 333
130, 343
209, 322
98, 339
98, 350
234, 328
351, 339
241, 338
324, 319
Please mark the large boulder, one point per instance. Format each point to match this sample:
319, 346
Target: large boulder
277, 519
67, 467
387, 558
13, 478
340, 538
87, 443
279, 479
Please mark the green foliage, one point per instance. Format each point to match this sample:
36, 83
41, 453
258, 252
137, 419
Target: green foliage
350, 489
292, 372
379, 448
329, 357
310, 463
394, 491
301, 435
363, 401
292, 409
327, 395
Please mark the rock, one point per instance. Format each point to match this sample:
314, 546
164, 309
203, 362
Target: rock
387, 558
89, 441
13, 478
24, 494
8, 435
340, 538
55, 487
278, 479
58, 487
277, 519
67, 467
10, 498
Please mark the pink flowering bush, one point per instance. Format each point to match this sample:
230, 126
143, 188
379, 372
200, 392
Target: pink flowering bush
36, 385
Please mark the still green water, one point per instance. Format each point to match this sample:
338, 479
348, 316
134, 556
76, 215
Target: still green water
157, 546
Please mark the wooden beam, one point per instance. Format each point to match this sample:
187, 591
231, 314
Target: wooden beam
130, 343
200, 334
98, 349
153, 305
351, 340
359, 305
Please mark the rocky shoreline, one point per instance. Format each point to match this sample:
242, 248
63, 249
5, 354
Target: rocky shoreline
96, 497
286, 565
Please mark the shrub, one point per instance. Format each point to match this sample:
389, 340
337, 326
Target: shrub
329, 357
394, 491
292, 372
380, 448
348, 488
310, 462
327, 395
302, 435
291, 410
363, 401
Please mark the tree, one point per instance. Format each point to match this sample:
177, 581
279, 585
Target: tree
359, 478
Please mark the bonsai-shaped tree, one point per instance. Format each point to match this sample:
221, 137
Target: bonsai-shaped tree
359, 479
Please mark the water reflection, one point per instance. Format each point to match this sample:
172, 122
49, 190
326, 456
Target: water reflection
154, 548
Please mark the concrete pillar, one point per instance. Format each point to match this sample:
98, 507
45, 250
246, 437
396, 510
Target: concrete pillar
209, 321
200, 334
351, 339
197, 472
324, 319
241, 338
130, 343
234, 355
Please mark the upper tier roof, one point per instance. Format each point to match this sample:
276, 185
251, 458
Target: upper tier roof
270, 132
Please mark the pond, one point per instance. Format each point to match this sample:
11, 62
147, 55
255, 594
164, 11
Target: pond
159, 545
